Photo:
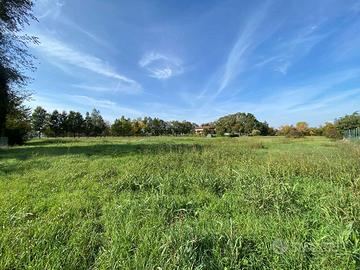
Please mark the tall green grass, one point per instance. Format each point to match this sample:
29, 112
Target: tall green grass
180, 203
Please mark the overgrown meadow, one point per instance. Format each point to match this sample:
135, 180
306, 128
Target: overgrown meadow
180, 203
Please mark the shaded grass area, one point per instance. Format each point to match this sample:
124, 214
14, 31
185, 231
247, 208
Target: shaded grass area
180, 203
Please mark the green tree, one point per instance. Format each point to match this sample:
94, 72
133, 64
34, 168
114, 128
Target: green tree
121, 127
330, 131
39, 120
74, 123
242, 123
63, 123
18, 125
14, 60
181, 127
88, 125
347, 122
55, 123
284, 130
294, 133
303, 127
138, 127
97, 122
255, 132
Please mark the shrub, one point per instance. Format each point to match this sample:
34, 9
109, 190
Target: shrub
17, 129
255, 132
330, 131
333, 133
294, 133
16, 136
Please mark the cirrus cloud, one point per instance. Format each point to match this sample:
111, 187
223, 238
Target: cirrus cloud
161, 66
62, 52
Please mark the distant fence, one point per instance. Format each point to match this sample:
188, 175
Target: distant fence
3, 141
352, 133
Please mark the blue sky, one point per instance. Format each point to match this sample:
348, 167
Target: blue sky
284, 61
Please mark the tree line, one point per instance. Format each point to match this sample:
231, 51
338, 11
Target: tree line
246, 124
56, 124
61, 124
333, 130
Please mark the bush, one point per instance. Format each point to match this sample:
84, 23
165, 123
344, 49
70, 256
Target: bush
16, 136
333, 133
17, 129
255, 132
294, 133
330, 131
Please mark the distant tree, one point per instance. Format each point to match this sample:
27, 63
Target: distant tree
14, 60
74, 123
63, 123
272, 131
88, 125
347, 122
303, 127
294, 133
155, 126
176, 128
255, 132
146, 122
98, 123
121, 127
39, 120
181, 127
55, 124
315, 131
330, 131
284, 130
138, 127
18, 125
107, 130
242, 123
206, 131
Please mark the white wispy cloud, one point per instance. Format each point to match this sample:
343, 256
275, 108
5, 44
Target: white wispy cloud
98, 40
63, 52
255, 32
294, 97
48, 8
282, 67
327, 100
295, 48
94, 87
51, 11
161, 66
113, 88
311, 100
245, 43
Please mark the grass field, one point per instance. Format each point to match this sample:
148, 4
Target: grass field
180, 203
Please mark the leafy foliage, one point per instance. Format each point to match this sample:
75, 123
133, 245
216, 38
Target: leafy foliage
241, 123
18, 126
121, 127
150, 126
39, 120
330, 131
294, 133
346, 122
14, 60
255, 132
